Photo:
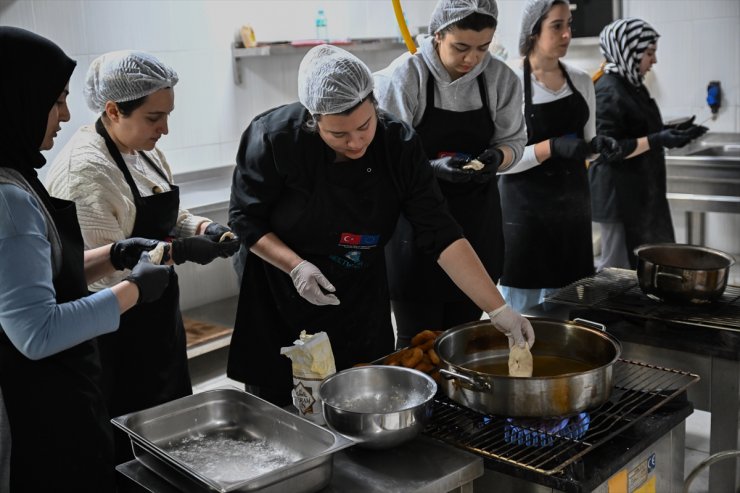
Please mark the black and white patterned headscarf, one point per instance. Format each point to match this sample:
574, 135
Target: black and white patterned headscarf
623, 43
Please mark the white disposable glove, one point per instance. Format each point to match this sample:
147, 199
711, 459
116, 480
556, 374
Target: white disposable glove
308, 281
512, 325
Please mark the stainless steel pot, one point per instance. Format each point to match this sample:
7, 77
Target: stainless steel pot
682, 273
573, 367
377, 407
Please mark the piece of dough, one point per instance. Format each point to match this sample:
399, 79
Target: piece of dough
520, 361
475, 165
156, 254
226, 236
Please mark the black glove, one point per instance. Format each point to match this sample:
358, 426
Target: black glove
569, 148
607, 147
695, 131
491, 159
125, 254
202, 249
449, 168
216, 229
151, 280
682, 125
669, 138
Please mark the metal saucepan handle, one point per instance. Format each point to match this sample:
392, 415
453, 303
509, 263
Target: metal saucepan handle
590, 323
660, 274
473, 382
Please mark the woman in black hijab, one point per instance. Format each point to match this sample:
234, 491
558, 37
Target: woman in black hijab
49, 367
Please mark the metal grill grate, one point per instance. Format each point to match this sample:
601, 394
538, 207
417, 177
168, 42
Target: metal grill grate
639, 389
617, 290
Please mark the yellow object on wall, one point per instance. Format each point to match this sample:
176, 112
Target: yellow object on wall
403, 27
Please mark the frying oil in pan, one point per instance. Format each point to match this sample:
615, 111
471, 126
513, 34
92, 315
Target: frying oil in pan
544, 366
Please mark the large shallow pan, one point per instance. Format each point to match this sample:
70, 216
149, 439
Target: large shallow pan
682, 273
573, 369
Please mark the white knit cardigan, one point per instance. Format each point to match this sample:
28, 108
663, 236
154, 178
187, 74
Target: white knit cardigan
85, 173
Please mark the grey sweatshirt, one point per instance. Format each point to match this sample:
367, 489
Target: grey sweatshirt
401, 89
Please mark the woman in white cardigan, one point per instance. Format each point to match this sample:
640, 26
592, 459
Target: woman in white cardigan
122, 186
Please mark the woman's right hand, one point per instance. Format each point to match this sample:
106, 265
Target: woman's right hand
202, 249
125, 254
309, 282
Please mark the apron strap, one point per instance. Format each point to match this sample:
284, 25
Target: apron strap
118, 159
482, 90
527, 80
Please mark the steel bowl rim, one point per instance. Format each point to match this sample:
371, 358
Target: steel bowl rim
426, 402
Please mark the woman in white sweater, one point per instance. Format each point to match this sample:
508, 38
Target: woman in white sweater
122, 186
547, 214
464, 104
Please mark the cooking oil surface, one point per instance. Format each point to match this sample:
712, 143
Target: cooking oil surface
544, 366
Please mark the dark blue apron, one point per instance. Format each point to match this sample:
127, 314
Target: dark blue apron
145, 361
415, 276
341, 229
61, 437
547, 211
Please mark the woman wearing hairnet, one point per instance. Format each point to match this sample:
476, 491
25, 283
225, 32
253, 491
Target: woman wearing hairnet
547, 213
122, 186
628, 196
318, 189
464, 104
49, 366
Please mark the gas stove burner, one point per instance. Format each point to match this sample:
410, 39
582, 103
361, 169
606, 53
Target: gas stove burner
542, 432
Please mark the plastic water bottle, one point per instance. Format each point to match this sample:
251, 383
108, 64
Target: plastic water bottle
322, 31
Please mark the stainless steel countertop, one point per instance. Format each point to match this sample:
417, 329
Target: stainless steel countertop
423, 465
704, 183
205, 190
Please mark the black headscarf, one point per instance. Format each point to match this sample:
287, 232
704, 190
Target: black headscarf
35, 71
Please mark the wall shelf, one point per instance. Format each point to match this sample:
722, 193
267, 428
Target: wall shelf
239, 53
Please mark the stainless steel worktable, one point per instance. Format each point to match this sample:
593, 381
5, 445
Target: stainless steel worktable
423, 465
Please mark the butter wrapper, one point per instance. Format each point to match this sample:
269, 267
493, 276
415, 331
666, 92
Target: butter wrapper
313, 361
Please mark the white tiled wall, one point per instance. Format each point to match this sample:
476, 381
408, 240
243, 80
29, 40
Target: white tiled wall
194, 37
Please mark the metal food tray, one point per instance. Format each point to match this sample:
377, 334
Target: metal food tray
239, 416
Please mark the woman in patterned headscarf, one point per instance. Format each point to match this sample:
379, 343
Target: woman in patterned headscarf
628, 196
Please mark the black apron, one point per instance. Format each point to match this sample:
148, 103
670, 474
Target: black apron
341, 229
414, 276
145, 361
61, 436
547, 216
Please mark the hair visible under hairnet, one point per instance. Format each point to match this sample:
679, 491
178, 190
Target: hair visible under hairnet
332, 80
534, 10
121, 76
450, 11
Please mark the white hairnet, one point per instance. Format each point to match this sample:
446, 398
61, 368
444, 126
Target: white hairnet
450, 11
332, 80
121, 76
534, 10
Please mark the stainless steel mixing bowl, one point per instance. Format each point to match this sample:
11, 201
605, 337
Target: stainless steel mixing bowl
377, 406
